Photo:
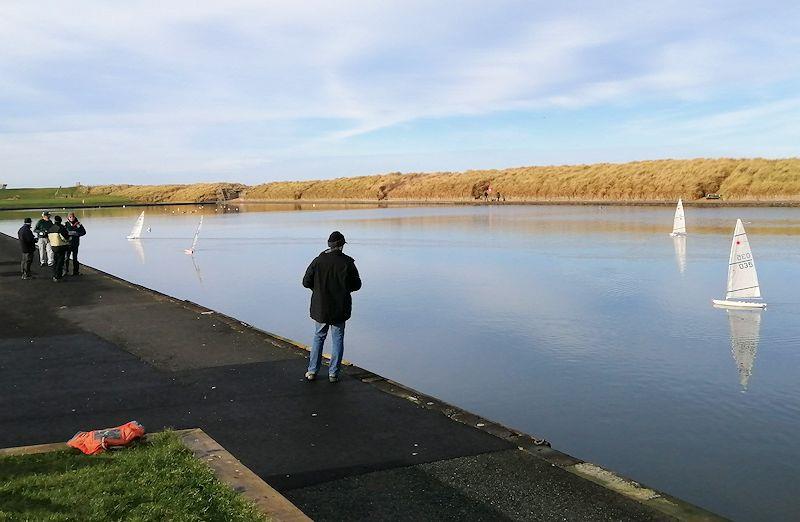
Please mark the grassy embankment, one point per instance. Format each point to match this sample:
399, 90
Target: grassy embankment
662, 180
156, 480
109, 195
736, 180
53, 198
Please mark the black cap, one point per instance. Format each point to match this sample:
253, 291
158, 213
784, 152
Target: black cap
57, 219
26, 220
46, 213
336, 239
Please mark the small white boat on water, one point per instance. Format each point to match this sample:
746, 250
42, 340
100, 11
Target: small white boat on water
136, 232
190, 251
743, 287
679, 222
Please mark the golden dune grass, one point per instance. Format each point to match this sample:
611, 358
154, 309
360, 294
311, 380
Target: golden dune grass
197, 192
734, 179
659, 180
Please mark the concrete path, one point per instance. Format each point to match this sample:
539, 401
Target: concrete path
95, 351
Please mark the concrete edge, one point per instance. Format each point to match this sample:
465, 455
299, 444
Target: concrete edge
227, 469
240, 478
30, 450
536, 446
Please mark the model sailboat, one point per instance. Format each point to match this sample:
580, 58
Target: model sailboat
742, 277
679, 222
136, 232
190, 251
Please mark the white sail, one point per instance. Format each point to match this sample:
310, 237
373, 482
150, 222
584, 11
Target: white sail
679, 222
742, 277
196, 237
136, 232
745, 331
680, 252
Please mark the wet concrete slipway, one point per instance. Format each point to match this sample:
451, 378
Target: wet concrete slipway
96, 351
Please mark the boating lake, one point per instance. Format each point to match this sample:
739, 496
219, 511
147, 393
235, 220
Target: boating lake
588, 326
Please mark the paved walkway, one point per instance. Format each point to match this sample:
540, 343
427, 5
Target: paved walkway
95, 351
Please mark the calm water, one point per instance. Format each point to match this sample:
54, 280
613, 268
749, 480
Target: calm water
588, 326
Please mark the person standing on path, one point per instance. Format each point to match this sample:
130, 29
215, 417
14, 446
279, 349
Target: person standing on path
41, 230
331, 276
59, 242
27, 242
76, 231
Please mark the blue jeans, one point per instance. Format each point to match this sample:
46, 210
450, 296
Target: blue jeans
320, 333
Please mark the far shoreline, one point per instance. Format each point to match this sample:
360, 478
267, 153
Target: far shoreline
794, 203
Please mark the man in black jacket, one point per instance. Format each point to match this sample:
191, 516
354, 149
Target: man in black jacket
331, 276
76, 231
27, 243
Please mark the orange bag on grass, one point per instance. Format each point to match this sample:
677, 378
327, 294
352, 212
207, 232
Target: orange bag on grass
97, 441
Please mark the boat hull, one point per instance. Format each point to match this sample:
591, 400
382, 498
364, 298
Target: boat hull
724, 303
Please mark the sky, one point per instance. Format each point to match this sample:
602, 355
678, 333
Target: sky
182, 91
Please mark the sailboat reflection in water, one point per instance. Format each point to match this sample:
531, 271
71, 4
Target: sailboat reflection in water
139, 248
680, 252
745, 330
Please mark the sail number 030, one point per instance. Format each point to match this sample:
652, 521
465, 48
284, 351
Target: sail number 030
745, 260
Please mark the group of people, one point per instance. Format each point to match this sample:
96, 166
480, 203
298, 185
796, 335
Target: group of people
56, 242
332, 276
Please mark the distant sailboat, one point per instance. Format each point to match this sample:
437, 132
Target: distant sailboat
136, 232
742, 277
190, 251
745, 329
679, 222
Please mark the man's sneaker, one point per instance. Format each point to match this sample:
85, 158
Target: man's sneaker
56, 280
333, 378
310, 376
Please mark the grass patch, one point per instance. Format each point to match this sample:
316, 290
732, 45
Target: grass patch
54, 198
157, 480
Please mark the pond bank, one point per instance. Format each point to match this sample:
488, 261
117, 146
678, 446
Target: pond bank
109, 351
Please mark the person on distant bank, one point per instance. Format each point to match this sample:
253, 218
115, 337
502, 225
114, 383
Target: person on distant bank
41, 230
331, 276
27, 242
76, 231
58, 237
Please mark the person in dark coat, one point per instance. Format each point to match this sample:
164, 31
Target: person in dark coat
27, 242
76, 232
59, 241
331, 276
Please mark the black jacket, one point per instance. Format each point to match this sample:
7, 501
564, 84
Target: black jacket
331, 277
26, 240
75, 232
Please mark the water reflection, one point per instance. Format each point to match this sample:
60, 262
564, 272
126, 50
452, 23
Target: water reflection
137, 246
745, 330
197, 270
680, 252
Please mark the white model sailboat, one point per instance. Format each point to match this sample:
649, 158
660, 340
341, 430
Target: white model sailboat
679, 222
136, 232
742, 277
190, 251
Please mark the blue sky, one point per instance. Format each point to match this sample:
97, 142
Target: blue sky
254, 91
